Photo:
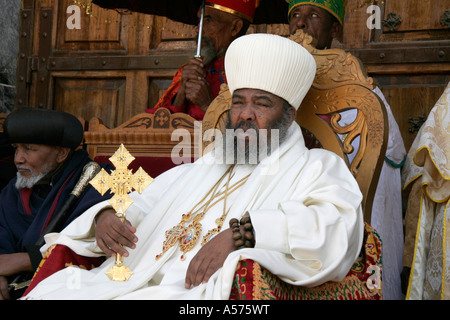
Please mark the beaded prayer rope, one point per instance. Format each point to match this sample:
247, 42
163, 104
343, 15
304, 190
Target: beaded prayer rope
246, 241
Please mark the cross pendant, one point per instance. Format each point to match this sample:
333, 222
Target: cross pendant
172, 236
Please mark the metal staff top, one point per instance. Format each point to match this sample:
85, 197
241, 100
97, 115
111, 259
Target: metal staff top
200, 30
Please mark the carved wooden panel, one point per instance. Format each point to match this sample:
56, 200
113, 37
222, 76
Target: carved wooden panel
104, 30
90, 97
412, 20
408, 56
157, 87
173, 36
145, 135
110, 65
411, 16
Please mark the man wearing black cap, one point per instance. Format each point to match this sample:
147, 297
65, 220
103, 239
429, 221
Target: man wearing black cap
48, 168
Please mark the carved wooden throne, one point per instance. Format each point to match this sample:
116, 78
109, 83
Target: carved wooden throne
340, 85
158, 141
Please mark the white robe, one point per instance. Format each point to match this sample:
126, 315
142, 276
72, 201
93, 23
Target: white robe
304, 206
428, 163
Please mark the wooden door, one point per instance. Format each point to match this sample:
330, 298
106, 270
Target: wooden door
106, 64
98, 63
117, 64
408, 55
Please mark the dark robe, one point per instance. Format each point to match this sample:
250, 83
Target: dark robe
24, 214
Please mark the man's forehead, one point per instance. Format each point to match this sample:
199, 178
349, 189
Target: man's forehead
324, 10
309, 8
215, 13
255, 93
32, 145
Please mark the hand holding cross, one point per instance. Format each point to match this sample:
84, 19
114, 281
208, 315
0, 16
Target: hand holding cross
121, 181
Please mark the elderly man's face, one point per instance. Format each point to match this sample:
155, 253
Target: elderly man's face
219, 30
253, 108
315, 21
35, 161
251, 112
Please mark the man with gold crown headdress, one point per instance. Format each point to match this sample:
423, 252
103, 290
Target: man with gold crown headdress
198, 82
296, 211
324, 20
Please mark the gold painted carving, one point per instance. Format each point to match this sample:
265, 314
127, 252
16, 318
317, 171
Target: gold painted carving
335, 67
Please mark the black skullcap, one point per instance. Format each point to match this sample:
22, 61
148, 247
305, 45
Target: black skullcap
43, 126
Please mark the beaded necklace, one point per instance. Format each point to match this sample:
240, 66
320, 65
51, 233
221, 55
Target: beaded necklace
186, 232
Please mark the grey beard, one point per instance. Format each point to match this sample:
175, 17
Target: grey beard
258, 146
208, 52
23, 182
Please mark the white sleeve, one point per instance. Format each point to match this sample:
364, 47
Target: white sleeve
318, 232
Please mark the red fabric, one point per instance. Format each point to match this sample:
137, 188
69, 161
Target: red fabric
251, 281
25, 194
254, 282
214, 74
154, 166
55, 202
246, 7
325, 117
58, 258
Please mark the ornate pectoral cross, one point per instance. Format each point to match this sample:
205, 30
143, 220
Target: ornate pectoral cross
121, 182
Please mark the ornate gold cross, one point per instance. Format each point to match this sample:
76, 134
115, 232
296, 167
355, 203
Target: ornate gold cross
121, 182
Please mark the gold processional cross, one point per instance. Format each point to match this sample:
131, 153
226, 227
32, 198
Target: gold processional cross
121, 182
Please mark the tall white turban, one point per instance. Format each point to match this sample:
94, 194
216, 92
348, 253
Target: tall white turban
271, 63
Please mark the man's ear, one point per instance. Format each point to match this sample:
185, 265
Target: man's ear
62, 154
237, 25
293, 114
336, 31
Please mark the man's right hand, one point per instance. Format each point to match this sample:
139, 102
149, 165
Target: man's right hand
4, 291
112, 235
194, 86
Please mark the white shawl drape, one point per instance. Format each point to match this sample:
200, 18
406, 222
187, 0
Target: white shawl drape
304, 206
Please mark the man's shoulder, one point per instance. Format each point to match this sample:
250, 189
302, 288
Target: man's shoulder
324, 155
8, 191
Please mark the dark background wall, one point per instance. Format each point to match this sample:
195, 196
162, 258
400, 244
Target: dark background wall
9, 28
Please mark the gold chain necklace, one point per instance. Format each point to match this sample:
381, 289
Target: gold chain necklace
187, 236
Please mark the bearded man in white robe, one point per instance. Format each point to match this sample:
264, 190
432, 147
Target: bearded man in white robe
304, 205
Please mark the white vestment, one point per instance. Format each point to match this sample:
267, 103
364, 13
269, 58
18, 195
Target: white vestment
428, 163
304, 206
